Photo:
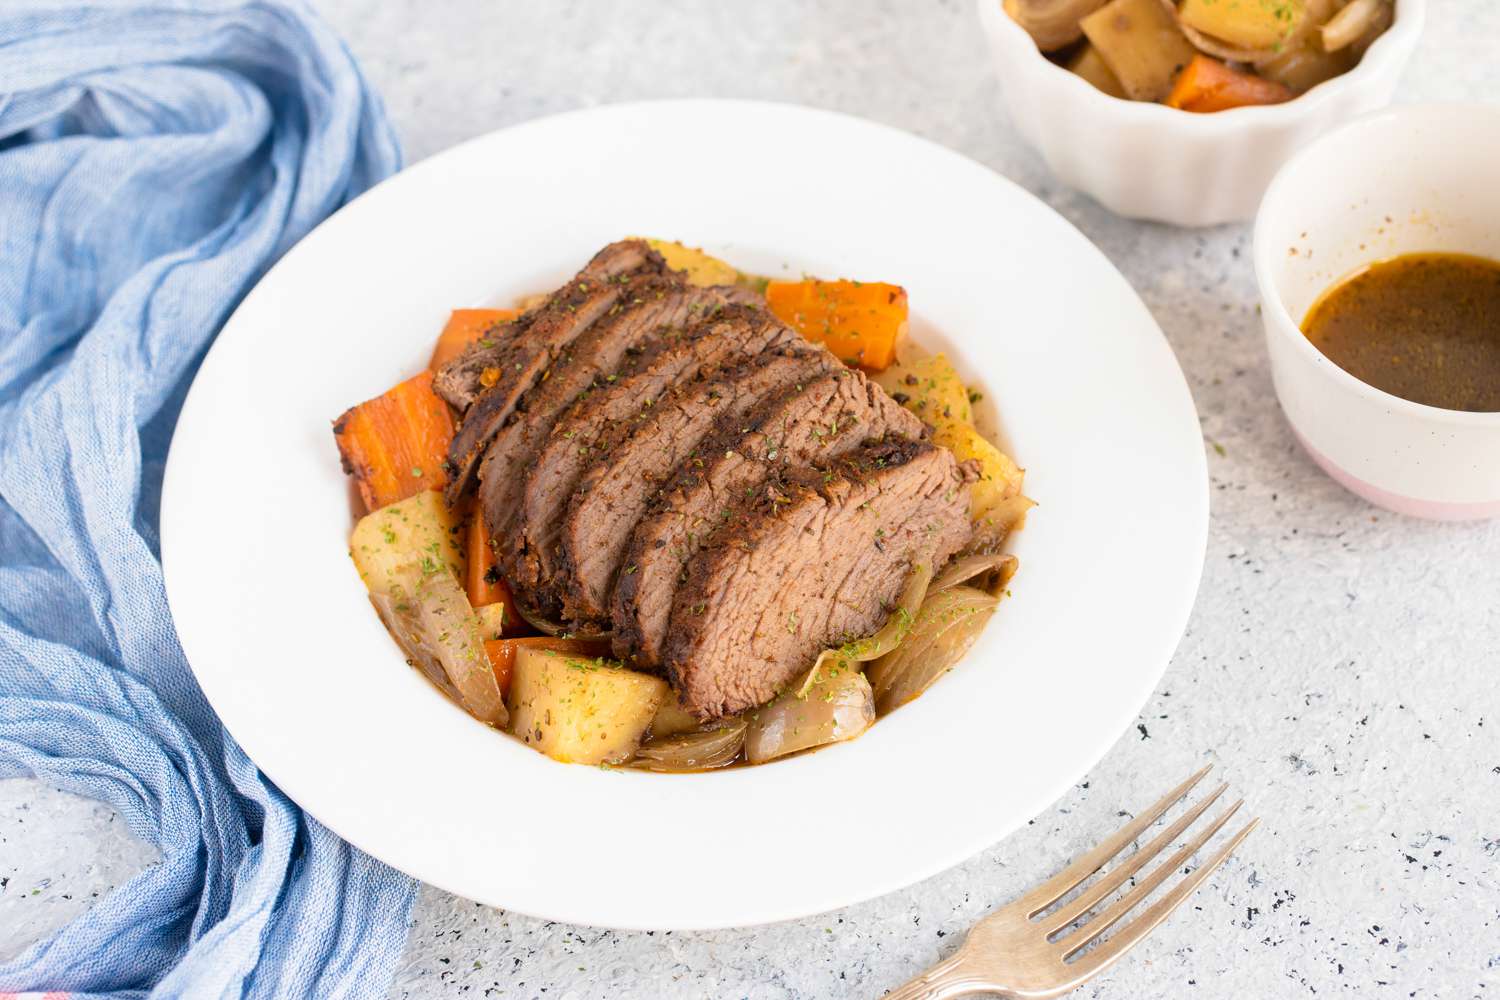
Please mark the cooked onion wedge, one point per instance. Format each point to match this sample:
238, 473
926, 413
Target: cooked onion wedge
913, 592
430, 617
558, 630
945, 628
1304, 64
401, 622
1052, 24
1352, 23
703, 750
1384, 18
1304, 67
1210, 45
1259, 44
966, 568
999, 587
838, 706
987, 539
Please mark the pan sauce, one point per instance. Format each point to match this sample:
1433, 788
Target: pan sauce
1425, 327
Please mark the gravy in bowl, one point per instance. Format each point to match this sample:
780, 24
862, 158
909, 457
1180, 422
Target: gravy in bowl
1422, 326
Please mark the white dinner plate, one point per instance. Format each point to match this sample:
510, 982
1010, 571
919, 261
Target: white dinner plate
1086, 392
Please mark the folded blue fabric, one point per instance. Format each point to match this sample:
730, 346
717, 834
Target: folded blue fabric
155, 158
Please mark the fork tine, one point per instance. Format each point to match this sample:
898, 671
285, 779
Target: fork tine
1104, 955
1117, 875
1068, 879
1111, 916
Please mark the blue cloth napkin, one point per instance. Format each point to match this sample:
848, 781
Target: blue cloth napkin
155, 159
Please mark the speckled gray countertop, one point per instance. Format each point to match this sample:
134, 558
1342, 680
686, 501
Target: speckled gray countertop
1340, 666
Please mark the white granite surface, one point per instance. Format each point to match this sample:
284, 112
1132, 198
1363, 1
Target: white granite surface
1340, 665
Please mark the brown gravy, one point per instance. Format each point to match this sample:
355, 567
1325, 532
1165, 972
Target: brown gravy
1425, 327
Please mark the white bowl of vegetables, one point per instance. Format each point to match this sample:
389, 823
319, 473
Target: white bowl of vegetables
1181, 111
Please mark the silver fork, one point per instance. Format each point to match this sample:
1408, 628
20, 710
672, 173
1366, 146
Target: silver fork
1014, 954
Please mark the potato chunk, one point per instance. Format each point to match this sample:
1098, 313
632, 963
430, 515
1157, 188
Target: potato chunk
929, 387
581, 711
671, 719
419, 530
999, 477
700, 268
1140, 43
1248, 24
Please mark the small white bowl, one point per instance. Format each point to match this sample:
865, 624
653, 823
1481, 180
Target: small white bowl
1411, 179
1148, 161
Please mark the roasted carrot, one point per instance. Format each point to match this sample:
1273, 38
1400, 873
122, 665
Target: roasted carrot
858, 321
396, 444
465, 326
1208, 85
483, 581
502, 652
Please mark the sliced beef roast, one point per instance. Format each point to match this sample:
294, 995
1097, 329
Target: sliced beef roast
589, 361
600, 420
614, 492
807, 425
521, 353
814, 559
462, 380
675, 462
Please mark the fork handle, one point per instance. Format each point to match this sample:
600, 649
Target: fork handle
949, 978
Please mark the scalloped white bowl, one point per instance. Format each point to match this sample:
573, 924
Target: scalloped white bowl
1148, 161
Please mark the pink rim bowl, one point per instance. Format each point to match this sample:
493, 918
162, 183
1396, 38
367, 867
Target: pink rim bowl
1410, 179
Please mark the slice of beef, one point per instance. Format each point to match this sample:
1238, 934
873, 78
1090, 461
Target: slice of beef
814, 559
805, 426
604, 417
613, 494
592, 360
460, 381
521, 359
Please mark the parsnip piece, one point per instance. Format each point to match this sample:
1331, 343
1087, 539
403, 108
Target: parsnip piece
1140, 43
